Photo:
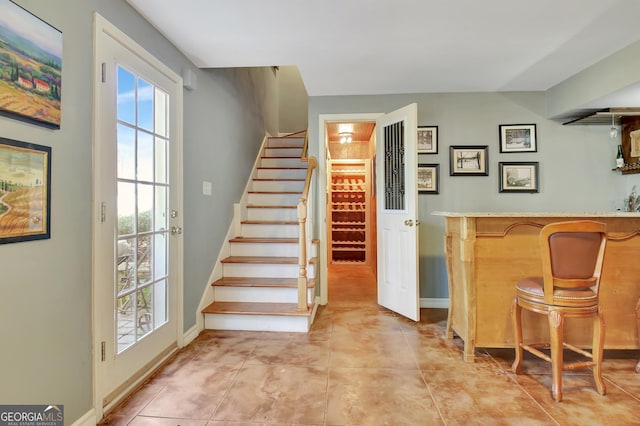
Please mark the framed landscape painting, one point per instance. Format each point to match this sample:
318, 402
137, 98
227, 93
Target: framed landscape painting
427, 139
30, 67
519, 177
429, 178
518, 138
25, 191
467, 160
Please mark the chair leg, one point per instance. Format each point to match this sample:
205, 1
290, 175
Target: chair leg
516, 319
597, 350
638, 328
556, 326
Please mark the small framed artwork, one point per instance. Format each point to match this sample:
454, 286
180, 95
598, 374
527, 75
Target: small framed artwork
30, 67
519, 177
518, 138
25, 191
427, 139
468, 160
429, 178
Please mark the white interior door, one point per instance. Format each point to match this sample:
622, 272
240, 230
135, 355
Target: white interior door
138, 205
396, 173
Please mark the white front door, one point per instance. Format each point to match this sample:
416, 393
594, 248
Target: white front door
138, 207
396, 173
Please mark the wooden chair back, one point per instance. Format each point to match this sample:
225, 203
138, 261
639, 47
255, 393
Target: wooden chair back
572, 256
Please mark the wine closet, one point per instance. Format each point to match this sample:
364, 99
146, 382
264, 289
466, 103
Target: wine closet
350, 197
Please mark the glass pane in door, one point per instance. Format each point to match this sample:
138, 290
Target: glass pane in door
142, 192
394, 164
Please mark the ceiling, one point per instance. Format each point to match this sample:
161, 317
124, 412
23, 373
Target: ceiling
345, 47
360, 131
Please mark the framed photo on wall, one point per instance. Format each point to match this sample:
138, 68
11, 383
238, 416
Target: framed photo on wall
429, 178
518, 138
25, 191
30, 67
427, 139
468, 160
519, 177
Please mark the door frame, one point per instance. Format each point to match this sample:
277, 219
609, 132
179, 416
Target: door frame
323, 148
103, 28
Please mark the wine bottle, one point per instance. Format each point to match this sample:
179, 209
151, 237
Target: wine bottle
619, 157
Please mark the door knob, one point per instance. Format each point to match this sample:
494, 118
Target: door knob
408, 222
176, 230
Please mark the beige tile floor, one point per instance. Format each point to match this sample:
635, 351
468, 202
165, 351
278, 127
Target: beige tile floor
364, 365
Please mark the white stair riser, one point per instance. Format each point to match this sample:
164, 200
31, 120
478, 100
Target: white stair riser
264, 249
264, 270
278, 185
256, 322
274, 199
259, 270
283, 152
269, 231
259, 294
298, 142
281, 173
282, 162
287, 215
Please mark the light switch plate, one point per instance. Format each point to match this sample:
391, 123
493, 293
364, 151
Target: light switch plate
206, 187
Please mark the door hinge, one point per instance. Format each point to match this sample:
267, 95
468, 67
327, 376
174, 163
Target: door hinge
103, 212
103, 351
104, 72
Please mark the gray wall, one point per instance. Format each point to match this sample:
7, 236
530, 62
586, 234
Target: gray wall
293, 100
575, 161
45, 289
610, 76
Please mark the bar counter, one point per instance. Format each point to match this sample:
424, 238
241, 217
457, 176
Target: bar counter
486, 253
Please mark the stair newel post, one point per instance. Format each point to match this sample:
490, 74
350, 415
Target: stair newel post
302, 257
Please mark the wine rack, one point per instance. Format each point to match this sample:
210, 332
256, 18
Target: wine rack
349, 204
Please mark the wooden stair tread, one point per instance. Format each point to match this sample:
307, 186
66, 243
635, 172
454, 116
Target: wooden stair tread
281, 168
275, 192
284, 146
252, 206
261, 282
279, 179
268, 222
256, 308
263, 240
261, 260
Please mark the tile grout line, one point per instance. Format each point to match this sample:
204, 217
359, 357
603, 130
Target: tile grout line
424, 380
151, 379
232, 382
620, 388
326, 394
512, 378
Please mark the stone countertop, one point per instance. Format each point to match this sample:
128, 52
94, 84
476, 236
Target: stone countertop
537, 214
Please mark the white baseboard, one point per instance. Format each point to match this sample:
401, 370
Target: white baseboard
191, 334
88, 419
434, 303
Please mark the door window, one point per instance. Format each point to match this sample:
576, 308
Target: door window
142, 178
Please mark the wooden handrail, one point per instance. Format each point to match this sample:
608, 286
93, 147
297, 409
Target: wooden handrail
303, 303
304, 149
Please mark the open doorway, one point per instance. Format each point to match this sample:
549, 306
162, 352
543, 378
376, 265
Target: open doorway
351, 212
396, 212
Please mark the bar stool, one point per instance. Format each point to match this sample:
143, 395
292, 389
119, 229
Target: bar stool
572, 256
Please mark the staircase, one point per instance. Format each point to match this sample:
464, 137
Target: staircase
258, 289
